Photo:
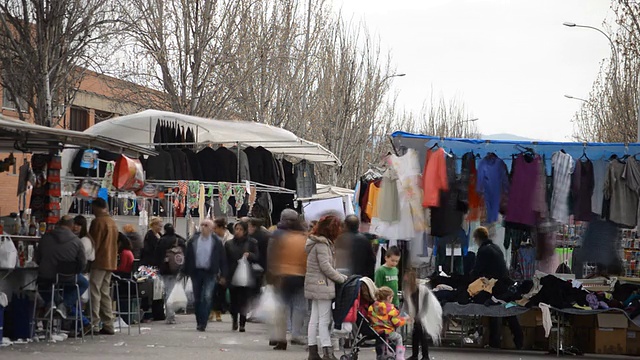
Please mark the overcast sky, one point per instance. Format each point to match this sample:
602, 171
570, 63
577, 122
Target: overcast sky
510, 61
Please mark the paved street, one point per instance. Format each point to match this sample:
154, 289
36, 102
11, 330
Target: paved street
183, 342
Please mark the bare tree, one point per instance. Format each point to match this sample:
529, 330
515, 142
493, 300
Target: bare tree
440, 117
610, 114
188, 49
289, 63
45, 47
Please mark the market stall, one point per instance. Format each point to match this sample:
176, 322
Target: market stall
38, 194
551, 206
208, 167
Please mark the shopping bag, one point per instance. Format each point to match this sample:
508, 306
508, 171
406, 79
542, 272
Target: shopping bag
85, 296
188, 289
268, 306
178, 298
8, 253
243, 276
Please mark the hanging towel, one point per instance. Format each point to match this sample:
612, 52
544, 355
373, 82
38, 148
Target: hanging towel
546, 318
201, 200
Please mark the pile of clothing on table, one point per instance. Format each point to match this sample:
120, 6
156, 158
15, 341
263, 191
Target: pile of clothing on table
485, 291
552, 291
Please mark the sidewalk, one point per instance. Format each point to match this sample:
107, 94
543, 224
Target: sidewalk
182, 342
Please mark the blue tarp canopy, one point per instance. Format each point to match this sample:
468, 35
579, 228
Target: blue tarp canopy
505, 148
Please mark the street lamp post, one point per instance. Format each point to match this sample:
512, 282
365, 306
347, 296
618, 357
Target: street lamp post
615, 74
463, 122
576, 98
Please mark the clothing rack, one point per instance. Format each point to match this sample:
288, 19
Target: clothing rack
75, 180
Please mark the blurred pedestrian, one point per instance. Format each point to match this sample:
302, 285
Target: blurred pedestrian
125, 257
148, 254
81, 230
136, 240
169, 242
241, 247
220, 305
319, 284
287, 261
206, 265
104, 233
354, 254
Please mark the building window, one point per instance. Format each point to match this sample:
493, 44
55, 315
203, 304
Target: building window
8, 104
78, 119
102, 116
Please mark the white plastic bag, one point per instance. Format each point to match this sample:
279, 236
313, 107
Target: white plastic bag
243, 276
85, 296
178, 298
188, 289
8, 253
268, 306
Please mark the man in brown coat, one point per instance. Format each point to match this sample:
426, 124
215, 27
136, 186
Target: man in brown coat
104, 233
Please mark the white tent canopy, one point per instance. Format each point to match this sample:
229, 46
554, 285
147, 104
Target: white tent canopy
140, 128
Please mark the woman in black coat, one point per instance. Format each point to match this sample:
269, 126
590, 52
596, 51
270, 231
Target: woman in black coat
242, 246
169, 278
151, 239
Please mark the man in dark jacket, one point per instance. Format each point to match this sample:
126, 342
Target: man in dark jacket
490, 264
490, 261
363, 260
61, 252
205, 264
262, 236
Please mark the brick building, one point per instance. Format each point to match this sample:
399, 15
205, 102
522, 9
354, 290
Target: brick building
99, 98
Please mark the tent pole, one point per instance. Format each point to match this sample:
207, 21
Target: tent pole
393, 146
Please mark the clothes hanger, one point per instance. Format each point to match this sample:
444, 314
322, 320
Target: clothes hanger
584, 154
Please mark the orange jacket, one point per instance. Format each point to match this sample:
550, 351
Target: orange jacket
434, 178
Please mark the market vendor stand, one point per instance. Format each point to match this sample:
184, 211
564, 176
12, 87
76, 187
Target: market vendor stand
567, 235
17, 282
143, 128
183, 198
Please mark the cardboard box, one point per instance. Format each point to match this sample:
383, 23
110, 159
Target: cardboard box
611, 334
633, 339
531, 318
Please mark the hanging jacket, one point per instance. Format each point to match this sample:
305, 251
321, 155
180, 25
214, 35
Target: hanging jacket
305, 179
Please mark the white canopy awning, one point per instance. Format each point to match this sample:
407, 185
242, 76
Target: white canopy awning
139, 129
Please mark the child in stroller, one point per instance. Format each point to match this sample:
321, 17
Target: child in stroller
360, 295
386, 319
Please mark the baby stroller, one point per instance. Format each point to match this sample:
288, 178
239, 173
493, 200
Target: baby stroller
352, 302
